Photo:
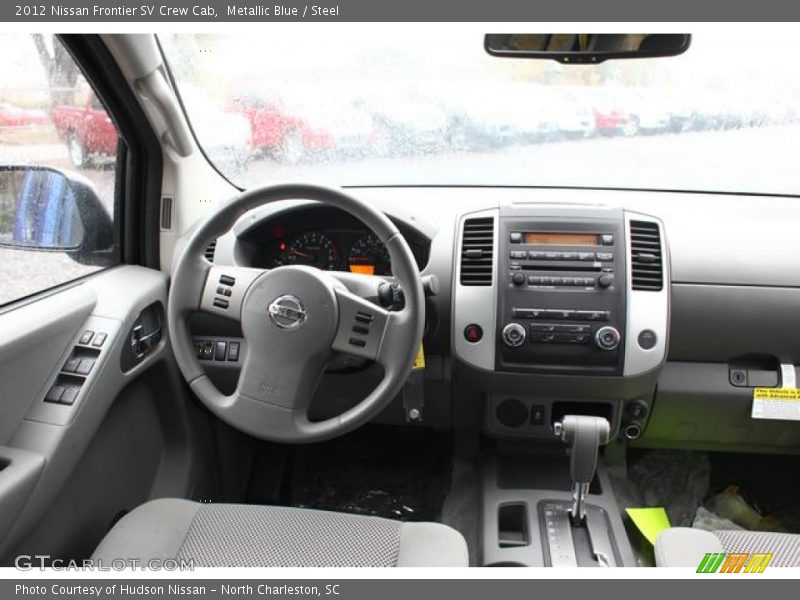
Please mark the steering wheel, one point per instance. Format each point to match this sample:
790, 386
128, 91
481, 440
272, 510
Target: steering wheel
294, 320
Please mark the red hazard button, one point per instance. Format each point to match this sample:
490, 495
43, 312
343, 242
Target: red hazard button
473, 333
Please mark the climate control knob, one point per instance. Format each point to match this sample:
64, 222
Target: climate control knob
607, 338
513, 335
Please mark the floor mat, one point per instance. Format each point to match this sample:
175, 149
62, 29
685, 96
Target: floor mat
686, 484
399, 473
677, 480
769, 485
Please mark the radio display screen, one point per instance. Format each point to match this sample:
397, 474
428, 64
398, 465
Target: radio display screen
561, 239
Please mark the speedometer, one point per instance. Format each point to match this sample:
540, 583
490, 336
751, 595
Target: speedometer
312, 249
369, 256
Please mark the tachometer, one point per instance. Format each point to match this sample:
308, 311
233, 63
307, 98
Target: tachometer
312, 249
369, 256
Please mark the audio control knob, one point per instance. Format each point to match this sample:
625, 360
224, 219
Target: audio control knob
513, 335
518, 278
605, 280
607, 338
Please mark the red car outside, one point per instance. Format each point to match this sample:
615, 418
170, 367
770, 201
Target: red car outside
291, 131
272, 128
87, 130
18, 117
614, 121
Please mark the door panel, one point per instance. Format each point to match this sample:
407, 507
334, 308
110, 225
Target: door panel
129, 467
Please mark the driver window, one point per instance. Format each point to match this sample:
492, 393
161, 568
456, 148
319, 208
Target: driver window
50, 117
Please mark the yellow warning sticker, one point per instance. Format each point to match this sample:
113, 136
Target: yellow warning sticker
776, 393
419, 362
780, 404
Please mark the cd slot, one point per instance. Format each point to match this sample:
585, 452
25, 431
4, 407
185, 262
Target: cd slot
584, 268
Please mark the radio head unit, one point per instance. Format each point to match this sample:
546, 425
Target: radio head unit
561, 294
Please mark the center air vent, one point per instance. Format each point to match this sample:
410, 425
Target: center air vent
210, 251
477, 251
647, 270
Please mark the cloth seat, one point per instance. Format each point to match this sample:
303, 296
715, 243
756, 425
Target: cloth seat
686, 547
239, 535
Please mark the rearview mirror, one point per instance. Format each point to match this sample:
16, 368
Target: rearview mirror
586, 48
46, 209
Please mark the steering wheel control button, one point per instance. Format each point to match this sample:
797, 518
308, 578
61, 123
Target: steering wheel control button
607, 338
99, 340
647, 339
363, 317
357, 342
227, 280
473, 333
513, 335
86, 337
221, 303
287, 312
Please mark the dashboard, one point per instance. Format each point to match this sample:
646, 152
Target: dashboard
647, 308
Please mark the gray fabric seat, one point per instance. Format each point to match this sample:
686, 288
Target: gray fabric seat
685, 547
239, 535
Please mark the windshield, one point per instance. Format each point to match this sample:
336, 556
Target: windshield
382, 109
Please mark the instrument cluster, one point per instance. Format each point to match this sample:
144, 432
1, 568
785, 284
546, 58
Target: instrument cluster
339, 250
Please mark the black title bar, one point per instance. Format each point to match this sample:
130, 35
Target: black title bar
210, 11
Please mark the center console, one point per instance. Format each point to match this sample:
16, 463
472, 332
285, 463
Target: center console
561, 289
560, 309
560, 322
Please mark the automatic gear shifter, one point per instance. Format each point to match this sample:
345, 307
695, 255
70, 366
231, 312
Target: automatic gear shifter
584, 435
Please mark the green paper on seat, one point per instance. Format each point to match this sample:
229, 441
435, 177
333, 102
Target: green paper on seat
650, 521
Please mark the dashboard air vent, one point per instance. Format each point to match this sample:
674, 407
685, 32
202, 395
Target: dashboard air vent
647, 270
210, 250
477, 251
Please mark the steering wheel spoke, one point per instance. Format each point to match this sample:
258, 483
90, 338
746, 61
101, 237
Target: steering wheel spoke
285, 381
362, 326
225, 289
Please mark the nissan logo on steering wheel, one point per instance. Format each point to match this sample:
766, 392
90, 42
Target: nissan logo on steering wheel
287, 312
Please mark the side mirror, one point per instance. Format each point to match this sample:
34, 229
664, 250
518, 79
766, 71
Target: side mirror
49, 210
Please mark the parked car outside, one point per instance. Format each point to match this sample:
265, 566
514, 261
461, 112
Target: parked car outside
87, 130
19, 117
